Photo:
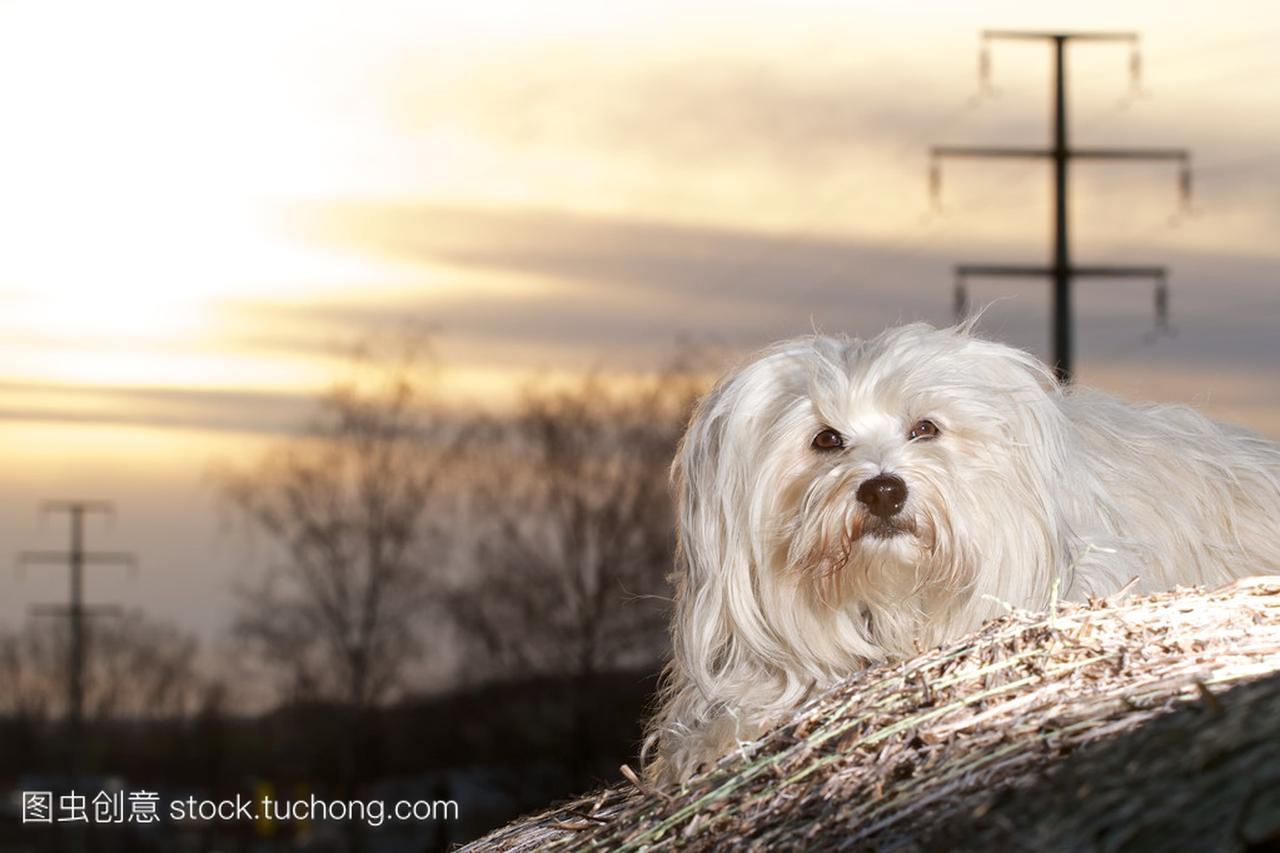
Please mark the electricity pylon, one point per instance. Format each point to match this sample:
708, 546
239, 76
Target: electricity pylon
76, 611
1060, 270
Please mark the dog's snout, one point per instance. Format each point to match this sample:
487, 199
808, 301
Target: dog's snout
883, 494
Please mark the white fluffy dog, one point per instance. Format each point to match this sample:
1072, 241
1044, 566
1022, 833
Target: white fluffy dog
846, 502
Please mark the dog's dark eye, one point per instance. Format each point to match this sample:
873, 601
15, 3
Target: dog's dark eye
924, 430
828, 439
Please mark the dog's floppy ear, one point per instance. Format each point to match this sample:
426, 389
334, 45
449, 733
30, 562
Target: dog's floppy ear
709, 545
718, 624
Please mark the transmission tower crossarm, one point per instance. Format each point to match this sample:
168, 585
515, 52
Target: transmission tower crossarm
85, 610
1119, 272
117, 558
1041, 35
1034, 271
988, 151
998, 270
1178, 154
98, 506
29, 557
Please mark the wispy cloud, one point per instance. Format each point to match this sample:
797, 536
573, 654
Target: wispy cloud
242, 411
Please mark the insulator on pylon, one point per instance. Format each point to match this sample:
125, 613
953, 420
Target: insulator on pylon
1184, 185
984, 68
1162, 305
935, 185
1135, 69
960, 303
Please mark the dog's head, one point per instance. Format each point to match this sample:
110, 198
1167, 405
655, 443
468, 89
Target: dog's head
845, 500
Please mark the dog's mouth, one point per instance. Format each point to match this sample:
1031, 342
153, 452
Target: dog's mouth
829, 555
874, 527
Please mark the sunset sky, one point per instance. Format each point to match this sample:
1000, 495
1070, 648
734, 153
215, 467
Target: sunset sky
201, 205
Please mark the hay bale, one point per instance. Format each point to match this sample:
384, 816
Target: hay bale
1092, 727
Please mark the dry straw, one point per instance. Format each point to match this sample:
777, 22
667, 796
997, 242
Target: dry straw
856, 767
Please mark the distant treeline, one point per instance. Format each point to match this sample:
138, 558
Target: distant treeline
523, 552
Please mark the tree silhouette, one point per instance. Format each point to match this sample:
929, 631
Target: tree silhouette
575, 536
350, 508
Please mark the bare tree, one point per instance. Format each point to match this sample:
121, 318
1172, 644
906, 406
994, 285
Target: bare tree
137, 667
576, 534
351, 508
140, 667
27, 689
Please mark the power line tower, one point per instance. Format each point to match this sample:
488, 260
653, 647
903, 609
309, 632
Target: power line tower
76, 611
1060, 271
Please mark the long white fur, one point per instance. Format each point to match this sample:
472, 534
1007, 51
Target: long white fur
1028, 486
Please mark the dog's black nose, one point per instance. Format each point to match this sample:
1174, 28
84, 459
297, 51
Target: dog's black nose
884, 495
